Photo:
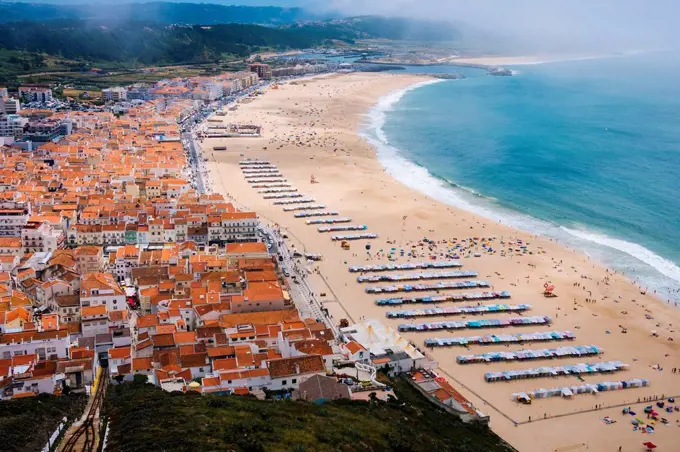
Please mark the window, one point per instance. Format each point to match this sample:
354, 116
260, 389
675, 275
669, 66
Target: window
283, 383
200, 369
294, 380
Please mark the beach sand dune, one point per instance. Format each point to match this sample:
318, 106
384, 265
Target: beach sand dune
310, 129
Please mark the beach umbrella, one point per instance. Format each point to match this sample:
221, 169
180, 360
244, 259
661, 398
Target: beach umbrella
649, 445
368, 246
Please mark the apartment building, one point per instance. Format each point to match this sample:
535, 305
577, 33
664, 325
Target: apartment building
41, 238
12, 125
233, 227
115, 94
13, 218
10, 106
88, 259
46, 344
34, 94
263, 71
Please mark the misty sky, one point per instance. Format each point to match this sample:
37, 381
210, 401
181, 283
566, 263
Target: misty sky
533, 25
553, 24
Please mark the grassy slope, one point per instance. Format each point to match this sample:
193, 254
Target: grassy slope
146, 418
25, 424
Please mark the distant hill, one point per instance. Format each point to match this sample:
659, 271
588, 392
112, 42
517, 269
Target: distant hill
160, 12
397, 28
148, 43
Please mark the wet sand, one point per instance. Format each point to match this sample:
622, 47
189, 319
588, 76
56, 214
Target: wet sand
310, 128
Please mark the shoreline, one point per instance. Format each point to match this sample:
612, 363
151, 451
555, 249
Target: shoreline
331, 148
599, 246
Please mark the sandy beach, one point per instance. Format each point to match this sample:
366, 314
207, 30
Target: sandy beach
310, 129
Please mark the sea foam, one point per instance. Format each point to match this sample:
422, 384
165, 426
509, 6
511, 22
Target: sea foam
637, 262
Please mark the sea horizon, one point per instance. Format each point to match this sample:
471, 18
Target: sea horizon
427, 153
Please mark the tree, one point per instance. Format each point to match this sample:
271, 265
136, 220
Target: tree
140, 379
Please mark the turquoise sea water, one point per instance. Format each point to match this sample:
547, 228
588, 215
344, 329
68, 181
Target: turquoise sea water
586, 151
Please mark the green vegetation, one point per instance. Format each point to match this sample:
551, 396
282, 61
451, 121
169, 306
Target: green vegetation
143, 417
27, 423
152, 44
160, 12
95, 56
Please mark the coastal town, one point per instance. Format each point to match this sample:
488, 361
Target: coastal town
120, 261
201, 234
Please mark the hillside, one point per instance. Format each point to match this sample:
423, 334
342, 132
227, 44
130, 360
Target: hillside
148, 43
26, 423
159, 12
395, 28
143, 417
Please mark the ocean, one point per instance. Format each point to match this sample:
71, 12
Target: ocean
584, 151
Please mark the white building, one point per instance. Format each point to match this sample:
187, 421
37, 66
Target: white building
13, 218
233, 227
97, 289
9, 106
41, 237
94, 320
12, 125
33, 94
387, 348
115, 94
288, 373
46, 344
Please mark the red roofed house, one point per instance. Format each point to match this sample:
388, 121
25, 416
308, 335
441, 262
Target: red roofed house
288, 373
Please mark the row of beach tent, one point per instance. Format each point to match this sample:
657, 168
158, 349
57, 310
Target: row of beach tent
539, 336
556, 371
310, 207
254, 162
569, 391
407, 266
329, 220
443, 285
263, 176
316, 213
272, 185
278, 190
416, 276
430, 299
349, 227
267, 180
457, 310
294, 201
368, 235
530, 355
473, 324
261, 171
284, 196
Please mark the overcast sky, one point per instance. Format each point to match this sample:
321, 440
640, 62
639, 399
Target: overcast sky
552, 25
